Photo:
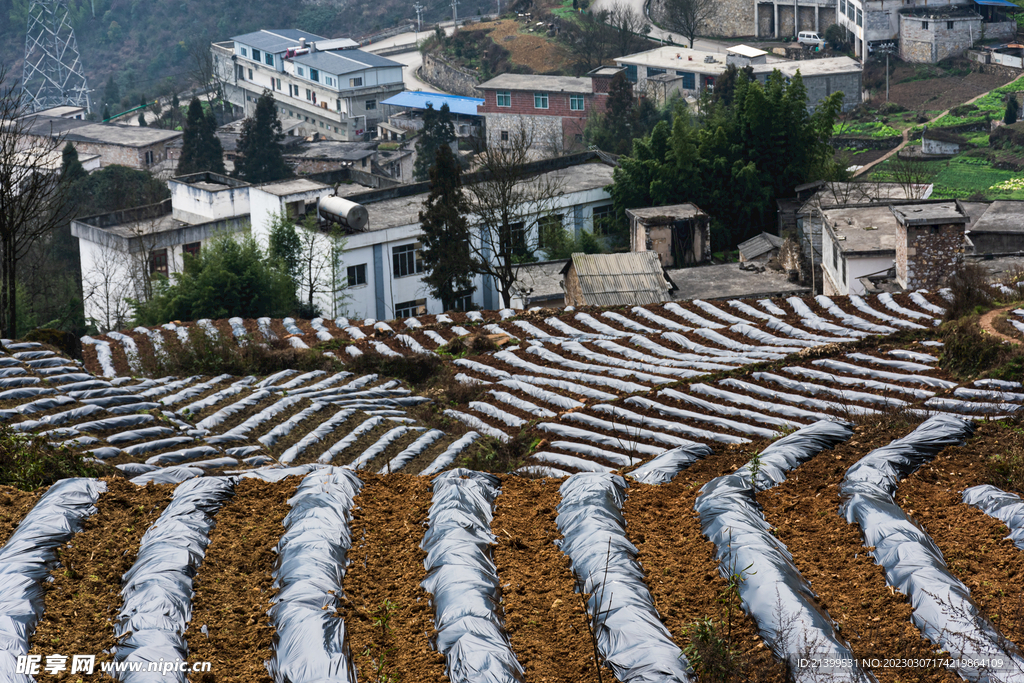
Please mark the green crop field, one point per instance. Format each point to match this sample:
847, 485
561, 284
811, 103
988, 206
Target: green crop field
961, 178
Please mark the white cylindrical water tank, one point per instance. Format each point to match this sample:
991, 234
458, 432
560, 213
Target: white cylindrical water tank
345, 212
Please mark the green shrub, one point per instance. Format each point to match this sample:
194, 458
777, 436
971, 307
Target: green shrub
968, 352
30, 461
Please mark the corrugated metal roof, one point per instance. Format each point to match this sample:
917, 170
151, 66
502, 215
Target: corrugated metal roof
633, 278
758, 245
343, 61
419, 100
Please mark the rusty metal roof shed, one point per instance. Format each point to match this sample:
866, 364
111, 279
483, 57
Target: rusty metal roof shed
633, 278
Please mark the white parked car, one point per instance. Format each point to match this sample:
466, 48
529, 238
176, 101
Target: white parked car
810, 38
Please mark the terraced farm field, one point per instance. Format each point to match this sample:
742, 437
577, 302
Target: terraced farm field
745, 490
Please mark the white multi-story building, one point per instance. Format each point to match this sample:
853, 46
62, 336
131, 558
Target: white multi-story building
374, 271
321, 86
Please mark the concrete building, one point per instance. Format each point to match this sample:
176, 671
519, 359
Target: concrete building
700, 70
999, 229
133, 146
554, 108
765, 18
121, 251
323, 86
919, 242
939, 142
925, 31
679, 234
405, 111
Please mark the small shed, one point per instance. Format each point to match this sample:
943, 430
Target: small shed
761, 248
680, 234
633, 278
745, 55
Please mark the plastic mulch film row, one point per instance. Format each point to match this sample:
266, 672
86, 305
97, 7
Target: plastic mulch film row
28, 557
310, 642
914, 565
157, 590
630, 636
1008, 508
773, 592
463, 580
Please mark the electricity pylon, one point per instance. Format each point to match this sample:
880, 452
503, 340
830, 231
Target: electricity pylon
53, 74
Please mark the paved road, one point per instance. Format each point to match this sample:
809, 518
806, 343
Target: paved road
412, 60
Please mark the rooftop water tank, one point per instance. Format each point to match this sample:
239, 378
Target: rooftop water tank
344, 212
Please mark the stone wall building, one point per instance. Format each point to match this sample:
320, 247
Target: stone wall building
761, 19
929, 243
137, 147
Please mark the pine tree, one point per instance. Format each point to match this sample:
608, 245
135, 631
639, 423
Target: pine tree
1010, 117
446, 249
71, 168
142, 118
259, 153
200, 148
438, 131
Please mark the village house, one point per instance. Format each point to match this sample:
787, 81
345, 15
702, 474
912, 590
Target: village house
136, 147
320, 86
554, 109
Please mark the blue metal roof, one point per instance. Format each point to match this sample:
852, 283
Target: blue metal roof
419, 100
998, 3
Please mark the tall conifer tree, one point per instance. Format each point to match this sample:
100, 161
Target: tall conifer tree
259, 154
446, 250
200, 148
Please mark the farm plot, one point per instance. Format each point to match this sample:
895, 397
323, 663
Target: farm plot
681, 578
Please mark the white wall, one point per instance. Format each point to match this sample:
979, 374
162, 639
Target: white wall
192, 204
856, 267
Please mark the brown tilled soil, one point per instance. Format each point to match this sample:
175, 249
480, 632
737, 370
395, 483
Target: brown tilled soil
84, 598
680, 566
939, 93
831, 556
974, 544
387, 565
14, 505
544, 617
233, 586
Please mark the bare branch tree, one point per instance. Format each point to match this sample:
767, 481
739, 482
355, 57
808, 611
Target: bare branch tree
200, 65
34, 199
629, 28
689, 17
507, 205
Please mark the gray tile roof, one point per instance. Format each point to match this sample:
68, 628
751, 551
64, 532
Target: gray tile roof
760, 244
343, 61
633, 278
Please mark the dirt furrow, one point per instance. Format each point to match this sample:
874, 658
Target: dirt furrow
544, 617
974, 544
84, 598
831, 556
383, 582
233, 585
14, 505
663, 525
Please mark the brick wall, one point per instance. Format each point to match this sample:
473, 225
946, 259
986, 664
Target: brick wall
927, 254
554, 129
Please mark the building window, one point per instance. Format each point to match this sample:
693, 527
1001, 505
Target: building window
540, 100
268, 58
371, 105
842, 6
250, 74
651, 71
860, 17
513, 241
548, 228
504, 136
355, 82
256, 54
408, 259
158, 262
631, 73
245, 52
924, 24
949, 25
689, 82
575, 102
504, 98
149, 158
603, 217
408, 309
321, 124
464, 301
835, 254
357, 275
309, 94
844, 270
300, 71
191, 248
314, 75
338, 101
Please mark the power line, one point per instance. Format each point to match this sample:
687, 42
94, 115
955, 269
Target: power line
52, 75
